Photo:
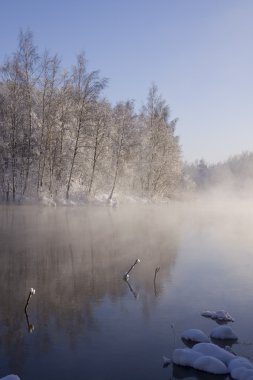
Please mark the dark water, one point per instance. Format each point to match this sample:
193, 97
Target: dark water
85, 322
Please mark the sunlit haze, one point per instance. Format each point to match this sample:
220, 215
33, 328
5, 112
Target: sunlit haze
199, 53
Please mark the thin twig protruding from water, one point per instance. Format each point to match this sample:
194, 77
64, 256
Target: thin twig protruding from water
32, 292
156, 271
126, 275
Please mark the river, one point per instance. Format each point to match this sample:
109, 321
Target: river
85, 321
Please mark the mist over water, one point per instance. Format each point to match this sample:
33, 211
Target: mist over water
89, 323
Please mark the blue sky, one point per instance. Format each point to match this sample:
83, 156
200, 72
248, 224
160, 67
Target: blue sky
198, 52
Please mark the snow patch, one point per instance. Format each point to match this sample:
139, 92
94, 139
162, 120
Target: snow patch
211, 365
189, 358
223, 332
185, 357
239, 362
217, 352
220, 315
209, 357
195, 335
47, 201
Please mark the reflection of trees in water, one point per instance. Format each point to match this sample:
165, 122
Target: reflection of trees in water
74, 258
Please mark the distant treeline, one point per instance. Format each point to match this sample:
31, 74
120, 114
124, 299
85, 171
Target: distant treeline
234, 174
59, 137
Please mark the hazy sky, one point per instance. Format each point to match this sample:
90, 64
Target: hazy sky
198, 52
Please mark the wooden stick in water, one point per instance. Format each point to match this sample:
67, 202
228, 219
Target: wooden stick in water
32, 292
126, 275
156, 271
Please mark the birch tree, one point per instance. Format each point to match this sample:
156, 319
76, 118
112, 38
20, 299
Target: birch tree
99, 140
12, 122
161, 151
122, 139
27, 60
49, 113
86, 89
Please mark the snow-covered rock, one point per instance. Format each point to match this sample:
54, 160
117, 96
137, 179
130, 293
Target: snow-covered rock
241, 368
223, 332
185, 356
211, 365
220, 315
10, 377
242, 373
195, 335
239, 362
210, 349
189, 358
211, 358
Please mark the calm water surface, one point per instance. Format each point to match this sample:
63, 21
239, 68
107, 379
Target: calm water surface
85, 322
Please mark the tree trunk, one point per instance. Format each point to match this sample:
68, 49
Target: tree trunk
73, 160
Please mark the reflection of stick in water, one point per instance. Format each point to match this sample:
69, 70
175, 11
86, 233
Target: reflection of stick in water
126, 275
32, 292
156, 271
131, 289
30, 326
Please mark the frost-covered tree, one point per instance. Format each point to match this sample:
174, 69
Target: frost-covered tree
27, 65
160, 168
58, 137
99, 143
5, 170
48, 120
86, 88
122, 140
233, 175
11, 128
19, 74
